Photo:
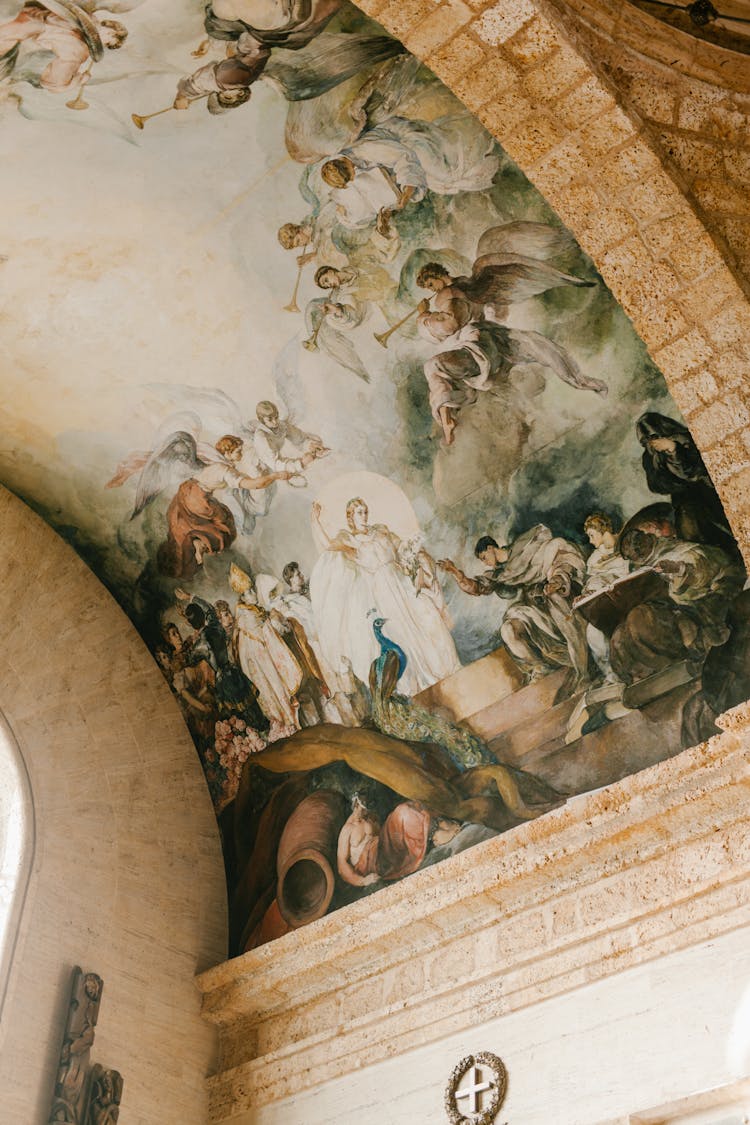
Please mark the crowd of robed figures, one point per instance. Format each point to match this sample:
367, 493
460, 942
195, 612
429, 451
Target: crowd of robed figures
694, 615
293, 653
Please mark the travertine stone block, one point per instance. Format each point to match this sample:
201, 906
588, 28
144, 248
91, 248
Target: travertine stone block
495, 76
686, 354
657, 285
534, 139
713, 423
402, 16
452, 61
532, 44
606, 132
586, 101
730, 326
499, 23
438, 27
655, 101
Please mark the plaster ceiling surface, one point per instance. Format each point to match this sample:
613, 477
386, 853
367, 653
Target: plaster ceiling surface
146, 290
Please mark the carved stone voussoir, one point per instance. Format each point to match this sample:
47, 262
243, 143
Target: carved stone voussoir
655, 863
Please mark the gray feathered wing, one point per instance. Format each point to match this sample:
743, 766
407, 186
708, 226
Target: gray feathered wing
333, 342
341, 350
531, 240
506, 279
172, 462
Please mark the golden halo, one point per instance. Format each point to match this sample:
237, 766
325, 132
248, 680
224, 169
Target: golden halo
386, 503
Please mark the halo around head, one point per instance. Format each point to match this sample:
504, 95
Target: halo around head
386, 503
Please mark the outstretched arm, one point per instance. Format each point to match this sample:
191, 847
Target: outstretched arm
331, 544
256, 483
474, 586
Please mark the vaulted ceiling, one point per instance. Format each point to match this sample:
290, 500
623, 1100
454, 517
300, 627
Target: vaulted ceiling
208, 213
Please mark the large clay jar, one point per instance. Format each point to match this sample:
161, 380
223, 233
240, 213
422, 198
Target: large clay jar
306, 857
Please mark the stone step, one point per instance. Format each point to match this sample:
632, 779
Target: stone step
622, 747
474, 687
547, 729
524, 706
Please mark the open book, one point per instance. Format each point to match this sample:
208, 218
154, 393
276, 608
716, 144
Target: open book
606, 608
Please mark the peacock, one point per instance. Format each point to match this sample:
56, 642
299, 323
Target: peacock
386, 646
398, 716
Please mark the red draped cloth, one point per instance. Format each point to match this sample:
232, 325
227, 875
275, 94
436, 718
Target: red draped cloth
194, 516
403, 840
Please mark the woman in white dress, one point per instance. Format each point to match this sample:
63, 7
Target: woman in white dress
264, 658
358, 573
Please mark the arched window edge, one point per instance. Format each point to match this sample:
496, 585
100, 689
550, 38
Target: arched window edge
16, 861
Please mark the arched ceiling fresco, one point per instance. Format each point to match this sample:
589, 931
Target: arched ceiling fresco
321, 389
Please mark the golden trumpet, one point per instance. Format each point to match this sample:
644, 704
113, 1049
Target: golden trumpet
293, 306
311, 344
383, 337
78, 102
139, 121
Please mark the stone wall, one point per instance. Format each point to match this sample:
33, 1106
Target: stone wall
694, 101
615, 880
127, 878
647, 1047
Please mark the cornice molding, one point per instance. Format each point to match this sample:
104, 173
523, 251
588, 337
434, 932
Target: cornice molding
655, 863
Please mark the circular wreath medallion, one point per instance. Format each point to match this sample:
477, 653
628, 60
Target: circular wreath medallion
495, 1093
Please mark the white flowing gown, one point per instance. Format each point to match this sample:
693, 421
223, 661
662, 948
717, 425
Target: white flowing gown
343, 592
266, 660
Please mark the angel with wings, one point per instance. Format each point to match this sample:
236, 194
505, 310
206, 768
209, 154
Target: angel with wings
332, 318
465, 316
197, 523
53, 44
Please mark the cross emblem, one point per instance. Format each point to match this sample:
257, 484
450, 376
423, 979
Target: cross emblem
473, 1091
479, 1081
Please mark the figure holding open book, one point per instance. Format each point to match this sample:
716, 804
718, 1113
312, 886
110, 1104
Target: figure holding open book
687, 618
603, 567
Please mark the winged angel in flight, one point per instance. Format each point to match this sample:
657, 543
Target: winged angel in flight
465, 316
198, 524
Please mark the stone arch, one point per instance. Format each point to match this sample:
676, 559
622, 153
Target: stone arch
515, 67
128, 877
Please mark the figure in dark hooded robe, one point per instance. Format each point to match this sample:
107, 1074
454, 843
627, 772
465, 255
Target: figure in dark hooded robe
688, 618
674, 467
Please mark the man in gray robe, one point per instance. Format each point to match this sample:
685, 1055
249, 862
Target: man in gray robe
541, 575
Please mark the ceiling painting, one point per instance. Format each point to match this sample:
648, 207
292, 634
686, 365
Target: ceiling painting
305, 369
